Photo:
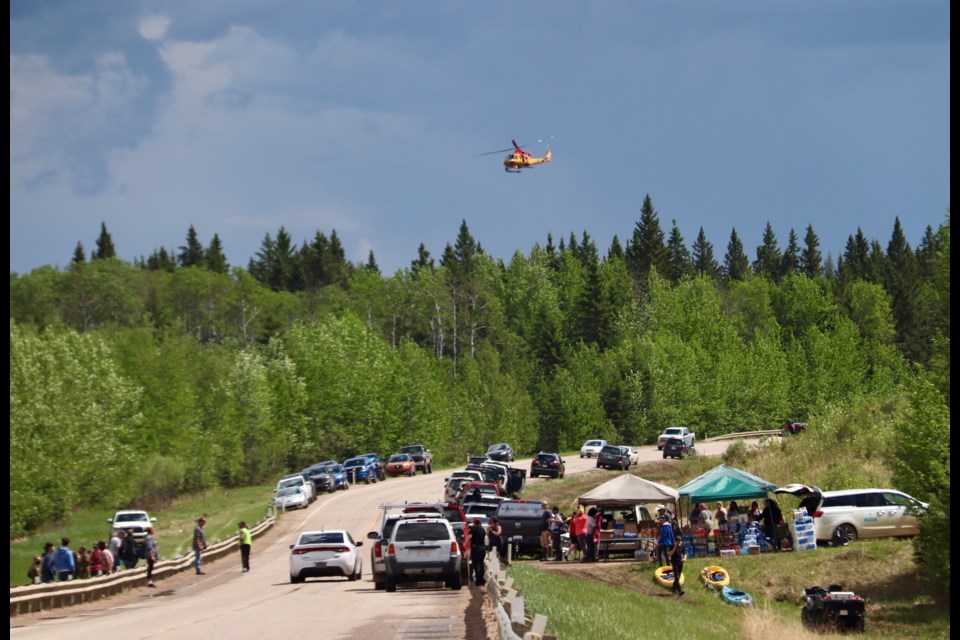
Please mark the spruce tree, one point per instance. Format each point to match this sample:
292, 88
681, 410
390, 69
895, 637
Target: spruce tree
372, 263
736, 265
105, 248
336, 266
615, 250
78, 255
703, 261
810, 260
423, 261
213, 257
678, 257
191, 255
769, 259
790, 266
646, 249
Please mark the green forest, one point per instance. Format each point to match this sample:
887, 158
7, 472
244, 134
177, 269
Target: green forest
131, 383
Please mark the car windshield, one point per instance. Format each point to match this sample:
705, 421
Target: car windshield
320, 537
355, 462
480, 509
594, 443
288, 491
313, 473
400, 457
292, 482
496, 447
412, 449
611, 449
674, 442
519, 509
140, 516
416, 531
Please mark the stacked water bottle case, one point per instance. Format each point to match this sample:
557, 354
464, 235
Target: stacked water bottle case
801, 531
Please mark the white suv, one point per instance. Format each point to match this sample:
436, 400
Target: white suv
131, 521
421, 550
297, 480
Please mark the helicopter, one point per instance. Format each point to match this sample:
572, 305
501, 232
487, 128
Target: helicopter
518, 159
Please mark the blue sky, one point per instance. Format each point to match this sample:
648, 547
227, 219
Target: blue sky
240, 116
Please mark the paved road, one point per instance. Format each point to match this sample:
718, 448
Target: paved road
262, 604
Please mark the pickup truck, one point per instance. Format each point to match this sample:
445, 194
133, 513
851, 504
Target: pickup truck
688, 437
422, 458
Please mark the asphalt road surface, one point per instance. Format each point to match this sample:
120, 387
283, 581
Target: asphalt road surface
264, 605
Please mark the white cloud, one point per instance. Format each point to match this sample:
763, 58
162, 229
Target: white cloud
154, 27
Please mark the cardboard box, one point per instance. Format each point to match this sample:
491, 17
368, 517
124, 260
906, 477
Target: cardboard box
753, 550
630, 527
606, 534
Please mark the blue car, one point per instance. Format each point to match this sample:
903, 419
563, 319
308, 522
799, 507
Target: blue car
340, 480
360, 469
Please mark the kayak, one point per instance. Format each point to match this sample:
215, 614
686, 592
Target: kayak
733, 596
715, 577
664, 575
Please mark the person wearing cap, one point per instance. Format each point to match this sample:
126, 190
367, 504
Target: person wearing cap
48, 572
199, 545
494, 533
246, 539
477, 552
668, 542
663, 559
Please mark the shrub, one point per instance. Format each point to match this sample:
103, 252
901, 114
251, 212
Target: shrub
161, 479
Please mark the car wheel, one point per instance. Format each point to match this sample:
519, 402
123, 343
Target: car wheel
664, 456
295, 579
456, 582
581, 455
390, 584
560, 476
849, 531
598, 464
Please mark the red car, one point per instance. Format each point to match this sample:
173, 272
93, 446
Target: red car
400, 464
474, 490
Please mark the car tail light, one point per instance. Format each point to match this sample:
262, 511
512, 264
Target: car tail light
817, 513
554, 464
391, 551
454, 549
378, 550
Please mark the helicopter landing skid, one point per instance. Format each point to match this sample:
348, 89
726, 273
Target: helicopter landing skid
509, 170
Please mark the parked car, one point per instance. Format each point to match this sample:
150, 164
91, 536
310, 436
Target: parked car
520, 521
677, 448
360, 469
472, 474
476, 490
422, 458
612, 456
132, 522
319, 475
633, 454
400, 464
859, 513
476, 460
791, 428
325, 553
591, 448
483, 509
291, 498
297, 480
547, 464
423, 549
453, 488
689, 437
378, 463
502, 452
335, 469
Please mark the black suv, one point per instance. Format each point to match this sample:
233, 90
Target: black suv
547, 464
613, 457
320, 477
677, 448
502, 452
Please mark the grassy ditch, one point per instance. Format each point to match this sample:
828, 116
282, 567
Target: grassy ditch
222, 508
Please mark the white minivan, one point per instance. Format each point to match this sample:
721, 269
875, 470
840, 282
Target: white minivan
859, 513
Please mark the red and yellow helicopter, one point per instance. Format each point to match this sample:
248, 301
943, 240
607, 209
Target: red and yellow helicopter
518, 158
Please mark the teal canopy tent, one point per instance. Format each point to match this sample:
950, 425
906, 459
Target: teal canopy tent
724, 483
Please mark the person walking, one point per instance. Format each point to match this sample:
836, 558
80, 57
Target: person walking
152, 554
199, 545
246, 539
48, 570
477, 552
63, 561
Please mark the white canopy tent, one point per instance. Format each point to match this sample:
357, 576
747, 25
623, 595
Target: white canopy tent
628, 490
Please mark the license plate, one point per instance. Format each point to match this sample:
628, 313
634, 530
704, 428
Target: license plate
422, 554
843, 612
320, 565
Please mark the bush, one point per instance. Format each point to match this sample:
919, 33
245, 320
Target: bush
160, 481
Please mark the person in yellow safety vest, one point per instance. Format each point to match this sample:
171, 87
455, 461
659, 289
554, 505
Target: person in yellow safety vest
245, 539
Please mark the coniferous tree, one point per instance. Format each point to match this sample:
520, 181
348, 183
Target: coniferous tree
191, 255
877, 264
313, 262
736, 265
78, 255
810, 260
161, 260
769, 260
927, 252
105, 248
616, 249
423, 261
791, 258
646, 249
372, 263
678, 257
902, 283
260, 266
337, 268
853, 265
703, 260
551, 251
213, 257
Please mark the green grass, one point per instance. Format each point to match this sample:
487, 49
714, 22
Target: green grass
223, 509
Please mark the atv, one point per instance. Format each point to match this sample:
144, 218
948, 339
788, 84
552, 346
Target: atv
832, 609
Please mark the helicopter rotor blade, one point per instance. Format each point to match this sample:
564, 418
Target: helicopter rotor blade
488, 153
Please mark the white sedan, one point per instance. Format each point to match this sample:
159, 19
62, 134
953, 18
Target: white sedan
325, 553
291, 498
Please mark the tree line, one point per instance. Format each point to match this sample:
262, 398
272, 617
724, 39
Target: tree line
134, 382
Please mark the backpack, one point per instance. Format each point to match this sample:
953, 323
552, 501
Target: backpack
128, 549
142, 551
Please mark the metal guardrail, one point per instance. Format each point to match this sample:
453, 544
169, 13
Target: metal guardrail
56, 595
744, 434
513, 622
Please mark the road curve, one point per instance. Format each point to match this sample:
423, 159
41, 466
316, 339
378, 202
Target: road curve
262, 604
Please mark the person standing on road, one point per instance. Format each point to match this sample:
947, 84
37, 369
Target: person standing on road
83, 563
48, 571
152, 554
477, 552
128, 551
199, 545
246, 539
107, 558
63, 561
